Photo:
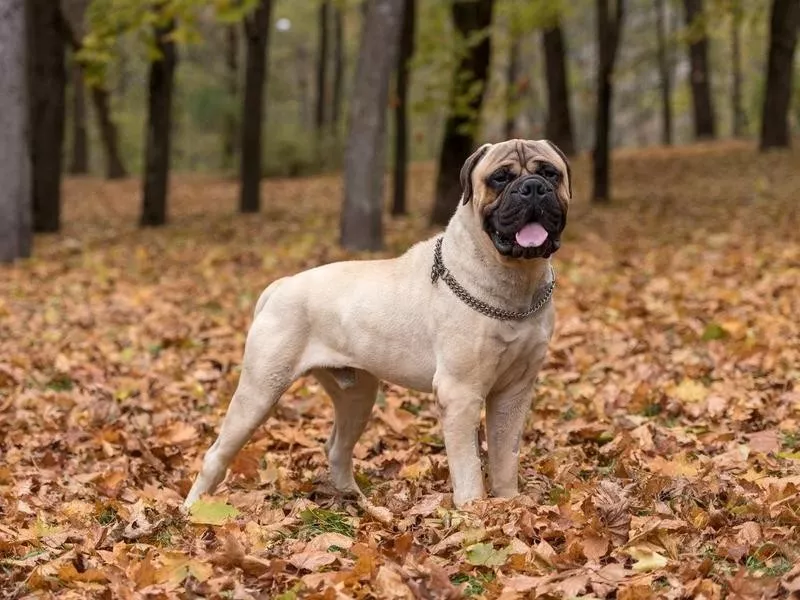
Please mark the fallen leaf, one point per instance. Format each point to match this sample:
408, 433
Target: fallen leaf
486, 555
312, 560
646, 559
211, 512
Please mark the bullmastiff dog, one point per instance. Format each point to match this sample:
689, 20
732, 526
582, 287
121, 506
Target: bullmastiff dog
466, 315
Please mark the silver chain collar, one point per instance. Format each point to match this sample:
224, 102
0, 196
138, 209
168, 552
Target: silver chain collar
541, 298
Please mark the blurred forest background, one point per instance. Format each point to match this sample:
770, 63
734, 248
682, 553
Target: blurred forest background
661, 456
279, 88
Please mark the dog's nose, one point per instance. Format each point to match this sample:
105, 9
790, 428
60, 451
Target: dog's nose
531, 188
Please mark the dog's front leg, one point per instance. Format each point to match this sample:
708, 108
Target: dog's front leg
506, 412
461, 417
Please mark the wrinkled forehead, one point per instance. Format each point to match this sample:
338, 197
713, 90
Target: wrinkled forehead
522, 155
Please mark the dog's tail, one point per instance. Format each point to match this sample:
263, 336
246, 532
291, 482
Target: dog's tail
262, 300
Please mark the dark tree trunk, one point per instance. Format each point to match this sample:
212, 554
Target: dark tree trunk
609, 30
15, 194
784, 25
512, 90
401, 108
80, 142
320, 116
665, 73
470, 19
159, 124
232, 82
73, 17
704, 125
108, 133
47, 99
365, 151
559, 119
739, 121
256, 28
338, 67
304, 88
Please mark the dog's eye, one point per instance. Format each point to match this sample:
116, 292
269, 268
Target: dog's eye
550, 172
501, 177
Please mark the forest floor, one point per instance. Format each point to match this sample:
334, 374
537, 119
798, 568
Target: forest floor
661, 459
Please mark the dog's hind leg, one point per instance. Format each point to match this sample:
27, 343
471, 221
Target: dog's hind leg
268, 368
353, 393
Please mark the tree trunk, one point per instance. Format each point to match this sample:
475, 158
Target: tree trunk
232, 83
73, 16
664, 71
739, 122
303, 87
784, 25
108, 133
48, 81
704, 126
365, 151
257, 37
15, 194
338, 67
559, 120
470, 19
512, 92
157, 147
322, 68
609, 30
80, 142
401, 108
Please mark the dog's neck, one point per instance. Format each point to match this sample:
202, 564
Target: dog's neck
506, 283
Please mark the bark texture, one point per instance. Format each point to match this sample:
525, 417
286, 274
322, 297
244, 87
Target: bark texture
47, 102
704, 125
784, 25
80, 138
365, 151
664, 72
159, 125
101, 100
230, 129
338, 67
15, 193
512, 88
609, 31
738, 118
471, 19
559, 115
323, 102
401, 108
257, 38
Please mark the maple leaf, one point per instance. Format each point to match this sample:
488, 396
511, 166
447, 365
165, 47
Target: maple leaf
486, 555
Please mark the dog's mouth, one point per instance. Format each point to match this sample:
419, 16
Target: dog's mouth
531, 241
525, 228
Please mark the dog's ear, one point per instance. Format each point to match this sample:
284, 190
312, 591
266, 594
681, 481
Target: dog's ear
466, 171
566, 162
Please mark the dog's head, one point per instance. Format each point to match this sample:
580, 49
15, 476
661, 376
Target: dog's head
520, 191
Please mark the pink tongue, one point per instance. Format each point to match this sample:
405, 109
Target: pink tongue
531, 236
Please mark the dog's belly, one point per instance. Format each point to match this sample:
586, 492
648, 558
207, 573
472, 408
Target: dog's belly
415, 373
401, 360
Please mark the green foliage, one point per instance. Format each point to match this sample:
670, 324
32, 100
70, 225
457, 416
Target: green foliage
319, 520
211, 512
110, 20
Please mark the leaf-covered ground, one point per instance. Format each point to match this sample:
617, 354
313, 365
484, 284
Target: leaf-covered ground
661, 459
